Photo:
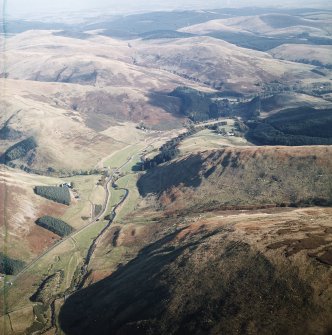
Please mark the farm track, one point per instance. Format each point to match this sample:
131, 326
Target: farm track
110, 181
92, 248
71, 236
84, 269
79, 279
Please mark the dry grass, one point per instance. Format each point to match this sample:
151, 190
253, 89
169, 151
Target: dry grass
295, 52
209, 140
20, 207
265, 25
238, 68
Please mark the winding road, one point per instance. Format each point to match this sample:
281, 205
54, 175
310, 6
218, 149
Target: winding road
109, 181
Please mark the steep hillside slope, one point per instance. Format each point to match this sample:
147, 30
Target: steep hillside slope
19, 209
199, 266
242, 178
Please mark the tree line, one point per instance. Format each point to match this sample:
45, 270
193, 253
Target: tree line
167, 151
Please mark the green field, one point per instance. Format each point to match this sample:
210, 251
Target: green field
208, 139
115, 197
85, 186
128, 182
84, 238
121, 157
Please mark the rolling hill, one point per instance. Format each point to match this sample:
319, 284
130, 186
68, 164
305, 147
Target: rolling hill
208, 268
69, 89
265, 24
318, 54
267, 31
217, 63
278, 102
78, 88
174, 216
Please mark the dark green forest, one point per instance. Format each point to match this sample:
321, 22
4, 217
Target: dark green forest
10, 266
297, 126
54, 193
54, 225
19, 150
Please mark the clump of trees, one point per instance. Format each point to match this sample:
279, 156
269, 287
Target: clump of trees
197, 105
201, 106
266, 134
167, 151
54, 193
10, 266
299, 126
98, 209
54, 225
19, 150
8, 133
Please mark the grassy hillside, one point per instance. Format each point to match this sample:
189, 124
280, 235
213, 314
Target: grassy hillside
156, 34
216, 63
70, 92
242, 178
290, 100
270, 31
317, 55
20, 207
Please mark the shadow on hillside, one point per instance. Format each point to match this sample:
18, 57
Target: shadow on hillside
166, 102
162, 177
192, 284
132, 293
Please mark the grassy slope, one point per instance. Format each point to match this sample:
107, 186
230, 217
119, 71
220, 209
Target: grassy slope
20, 207
302, 52
64, 108
216, 62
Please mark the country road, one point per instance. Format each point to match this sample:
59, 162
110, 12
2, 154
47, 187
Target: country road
107, 187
